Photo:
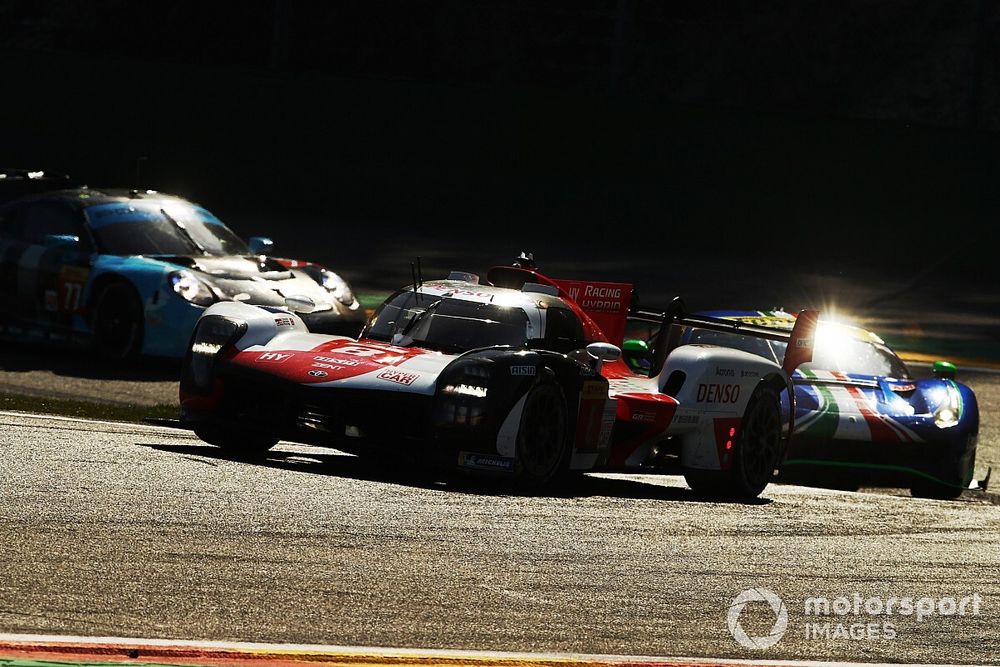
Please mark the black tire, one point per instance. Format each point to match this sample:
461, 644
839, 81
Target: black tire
118, 323
926, 488
236, 441
543, 449
757, 452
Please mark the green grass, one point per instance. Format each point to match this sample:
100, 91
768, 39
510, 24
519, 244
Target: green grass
86, 409
372, 300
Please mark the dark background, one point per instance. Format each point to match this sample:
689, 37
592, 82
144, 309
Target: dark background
742, 153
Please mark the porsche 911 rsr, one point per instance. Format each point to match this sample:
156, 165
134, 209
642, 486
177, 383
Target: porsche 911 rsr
132, 271
860, 416
514, 377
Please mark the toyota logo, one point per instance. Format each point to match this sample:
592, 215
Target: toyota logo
318, 374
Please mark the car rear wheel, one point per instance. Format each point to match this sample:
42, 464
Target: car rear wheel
543, 439
238, 442
118, 323
757, 452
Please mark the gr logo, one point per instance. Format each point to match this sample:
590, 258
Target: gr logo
780, 618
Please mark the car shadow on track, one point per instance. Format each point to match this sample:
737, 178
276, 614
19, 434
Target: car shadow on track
84, 363
347, 466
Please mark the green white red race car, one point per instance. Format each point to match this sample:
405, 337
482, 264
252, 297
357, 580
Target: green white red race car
860, 417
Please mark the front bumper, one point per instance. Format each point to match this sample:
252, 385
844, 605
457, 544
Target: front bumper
949, 461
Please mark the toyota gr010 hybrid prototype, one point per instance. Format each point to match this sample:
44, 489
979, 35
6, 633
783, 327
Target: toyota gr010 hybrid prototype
860, 416
517, 377
132, 271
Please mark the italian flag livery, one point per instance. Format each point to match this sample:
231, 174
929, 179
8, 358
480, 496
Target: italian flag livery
862, 418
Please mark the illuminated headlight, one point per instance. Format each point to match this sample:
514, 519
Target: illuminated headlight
473, 390
949, 411
191, 288
337, 286
211, 336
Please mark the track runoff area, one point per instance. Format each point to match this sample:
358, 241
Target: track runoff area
52, 651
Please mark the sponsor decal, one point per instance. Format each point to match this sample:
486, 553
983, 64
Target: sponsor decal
337, 362
72, 280
399, 377
593, 390
523, 370
331, 367
718, 393
643, 417
485, 462
766, 321
687, 419
749, 374
360, 351
318, 374
605, 303
284, 322
274, 357
725, 372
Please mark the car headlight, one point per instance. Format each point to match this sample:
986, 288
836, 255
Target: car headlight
949, 410
191, 288
337, 286
212, 335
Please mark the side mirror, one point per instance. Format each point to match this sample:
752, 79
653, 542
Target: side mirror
604, 351
61, 241
260, 245
300, 304
944, 370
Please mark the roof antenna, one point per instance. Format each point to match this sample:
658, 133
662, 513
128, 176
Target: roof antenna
413, 273
420, 274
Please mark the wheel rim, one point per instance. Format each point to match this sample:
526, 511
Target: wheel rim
543, 428
116, 328
761, 443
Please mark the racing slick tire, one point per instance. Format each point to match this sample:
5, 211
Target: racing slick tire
543, 448
237, 442
757, 452
118, 323
933, 490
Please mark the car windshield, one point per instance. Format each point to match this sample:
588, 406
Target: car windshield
164, 227
837, 349
447, 324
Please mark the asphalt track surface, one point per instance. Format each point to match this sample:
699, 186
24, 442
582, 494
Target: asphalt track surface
122, 530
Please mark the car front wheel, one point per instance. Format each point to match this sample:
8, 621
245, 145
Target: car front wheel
118, 323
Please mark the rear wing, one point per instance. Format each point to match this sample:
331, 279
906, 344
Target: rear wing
800, 338
605, 304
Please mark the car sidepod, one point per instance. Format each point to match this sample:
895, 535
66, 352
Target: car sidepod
713, 387
479, 403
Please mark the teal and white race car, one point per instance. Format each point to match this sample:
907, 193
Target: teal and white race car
132, 271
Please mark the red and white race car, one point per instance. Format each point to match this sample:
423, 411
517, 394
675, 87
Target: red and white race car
519, 376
